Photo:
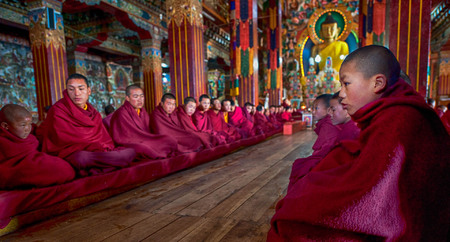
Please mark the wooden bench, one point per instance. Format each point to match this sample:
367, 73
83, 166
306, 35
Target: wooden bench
290, 128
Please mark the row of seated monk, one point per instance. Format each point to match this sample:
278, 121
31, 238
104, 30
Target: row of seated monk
74, 141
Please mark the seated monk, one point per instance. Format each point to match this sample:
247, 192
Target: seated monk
389, 185
279, 114
74, 131
109, 110
446, 119
249, 115
218, 122
203, 123
239, 121
130, 127
21, 164
185, 113
273, 116
287, 114
261, 120
340, 117
165, 121
226, 108
326, 139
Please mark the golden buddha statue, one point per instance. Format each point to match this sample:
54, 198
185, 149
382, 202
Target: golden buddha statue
331, 47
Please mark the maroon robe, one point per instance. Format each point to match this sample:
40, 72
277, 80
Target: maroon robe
238, 120
187, 123
446, 120
107, 121
203, 124
219, 125
274, 120
129, 129
168, 124
287, 117
327, 134
80, 137
22, 165
348, 131
261, 121
392, 184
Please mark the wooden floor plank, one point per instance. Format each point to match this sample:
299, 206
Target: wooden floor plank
229, 199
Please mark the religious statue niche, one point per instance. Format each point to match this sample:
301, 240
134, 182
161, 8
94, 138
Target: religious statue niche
213, 83
118, 78
17, 83
329, 37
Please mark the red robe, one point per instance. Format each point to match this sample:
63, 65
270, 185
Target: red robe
327, 134
348, 131
274, 120
287, 117
168, 124
203, 123
129, 129
446, 120
72, 133
187, 123
261, 121
219, 125
22, 165
107, 121
238, 120
392, 184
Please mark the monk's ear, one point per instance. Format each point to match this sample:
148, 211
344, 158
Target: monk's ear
4, 125
89, 91
380, 83
127, 98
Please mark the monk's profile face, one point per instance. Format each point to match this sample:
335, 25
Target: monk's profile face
356, 91
320, 110
249, 109
205, 103
78, 92
169, 105
253, 109
20, 126
189, 108
227, 106
136, 98
272, 109
337, 113
216, 105
267, 112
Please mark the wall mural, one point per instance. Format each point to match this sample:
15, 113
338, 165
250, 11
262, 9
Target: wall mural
108, 82
17, 84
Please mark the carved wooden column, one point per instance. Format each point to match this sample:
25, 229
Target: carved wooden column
187, 65
49, 51
152, 72
274, 66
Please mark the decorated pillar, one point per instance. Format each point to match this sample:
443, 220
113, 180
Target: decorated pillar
48, 46
274, 66
151, 72
244, 51
76, 60
187, 74
409, 38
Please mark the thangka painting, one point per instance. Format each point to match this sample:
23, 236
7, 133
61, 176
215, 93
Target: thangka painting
119, 77
17, 83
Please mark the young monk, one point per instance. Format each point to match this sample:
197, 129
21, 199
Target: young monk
287, 114
130, 127
74, 131
391, 184
326, 139
21, 164
226, 108
165, 121
109, 110
203, 123
273, 117
238, 120
185, 113
340, 117
261, 120
218, 122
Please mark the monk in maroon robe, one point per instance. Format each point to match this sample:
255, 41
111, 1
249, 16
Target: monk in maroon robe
287, 114
273, 117
203, 123
75, 132
218, 122
262, 121
185, 113
109, 110
21, 164
130, 127
446, 119
340, 117
389, 185
327, 134
239, 121
165, 121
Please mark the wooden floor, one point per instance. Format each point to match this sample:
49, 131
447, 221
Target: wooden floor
229, 199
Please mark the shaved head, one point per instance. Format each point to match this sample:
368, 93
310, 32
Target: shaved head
12, 112
130, 88
374, 59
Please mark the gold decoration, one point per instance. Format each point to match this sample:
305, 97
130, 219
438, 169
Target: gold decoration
177, 10
40, 35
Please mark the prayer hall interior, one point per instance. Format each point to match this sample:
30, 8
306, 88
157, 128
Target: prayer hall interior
222, 97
